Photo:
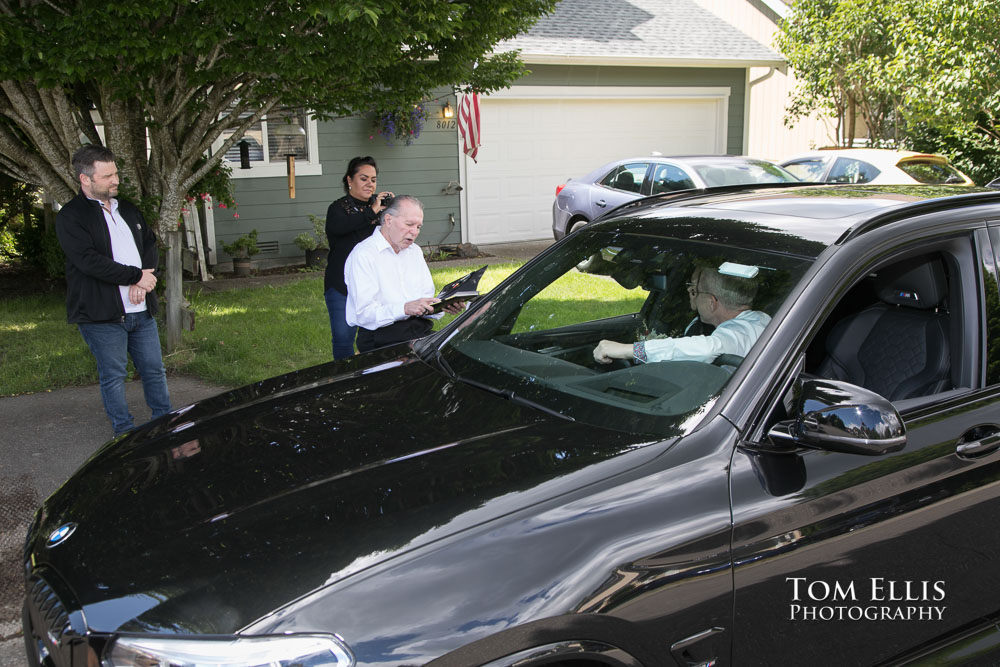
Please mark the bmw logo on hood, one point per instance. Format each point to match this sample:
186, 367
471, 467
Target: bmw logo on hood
60, 534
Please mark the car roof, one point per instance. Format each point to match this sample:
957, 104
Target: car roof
880, 157
797, 219
703, 159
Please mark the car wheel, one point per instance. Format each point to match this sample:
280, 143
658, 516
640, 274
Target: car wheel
579, 224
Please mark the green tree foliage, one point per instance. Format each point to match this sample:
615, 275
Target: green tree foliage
948, 68
840, 51
949, 62
169, 77
179, 74
923, 74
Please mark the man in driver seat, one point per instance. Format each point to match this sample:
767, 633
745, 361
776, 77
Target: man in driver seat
721, 300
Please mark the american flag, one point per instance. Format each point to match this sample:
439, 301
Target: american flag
468, 124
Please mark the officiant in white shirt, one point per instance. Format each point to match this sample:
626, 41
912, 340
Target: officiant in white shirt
390, 293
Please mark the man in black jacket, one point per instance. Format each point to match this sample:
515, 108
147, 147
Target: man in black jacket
111, 258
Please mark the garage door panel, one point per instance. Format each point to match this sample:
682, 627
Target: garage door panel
532, 145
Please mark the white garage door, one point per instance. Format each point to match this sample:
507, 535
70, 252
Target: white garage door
532, 145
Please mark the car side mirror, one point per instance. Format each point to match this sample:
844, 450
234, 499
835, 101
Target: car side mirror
841, 417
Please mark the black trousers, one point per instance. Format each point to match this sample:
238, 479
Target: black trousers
397, 332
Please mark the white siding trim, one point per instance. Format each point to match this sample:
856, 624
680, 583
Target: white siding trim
618, 92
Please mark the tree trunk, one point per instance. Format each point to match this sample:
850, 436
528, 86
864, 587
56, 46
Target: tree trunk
169, 234
175, 289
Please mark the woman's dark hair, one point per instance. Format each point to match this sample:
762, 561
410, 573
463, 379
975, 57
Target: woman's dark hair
355, 164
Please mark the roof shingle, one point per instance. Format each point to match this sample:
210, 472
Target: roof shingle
662, 32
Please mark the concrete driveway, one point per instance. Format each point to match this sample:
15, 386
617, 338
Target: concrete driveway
44, 437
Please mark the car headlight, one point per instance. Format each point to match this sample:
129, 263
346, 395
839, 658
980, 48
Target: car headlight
269, 651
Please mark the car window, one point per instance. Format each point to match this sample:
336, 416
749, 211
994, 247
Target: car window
535, 338
875, 338
991, 291
931, 173
627, 177
850, 170
810, 170
717, 174
898, 331
670, 178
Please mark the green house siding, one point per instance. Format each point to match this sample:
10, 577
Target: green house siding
425, 167
422, 169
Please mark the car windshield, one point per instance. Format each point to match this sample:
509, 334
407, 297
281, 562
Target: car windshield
717, 174
534, 338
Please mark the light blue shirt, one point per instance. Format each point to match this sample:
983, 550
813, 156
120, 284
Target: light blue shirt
734, 336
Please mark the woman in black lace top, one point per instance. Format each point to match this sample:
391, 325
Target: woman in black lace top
349, 220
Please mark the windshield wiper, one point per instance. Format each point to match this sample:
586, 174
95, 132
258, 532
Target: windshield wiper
514, 398
427, 351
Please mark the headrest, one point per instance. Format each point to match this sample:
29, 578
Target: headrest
917, 283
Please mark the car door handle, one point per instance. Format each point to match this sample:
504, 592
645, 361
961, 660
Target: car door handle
683, 655
984, 443
601, 202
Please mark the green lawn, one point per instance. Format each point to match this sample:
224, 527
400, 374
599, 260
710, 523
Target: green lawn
246, 335
240, 336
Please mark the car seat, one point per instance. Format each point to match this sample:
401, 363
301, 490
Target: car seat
626, 181
898, 348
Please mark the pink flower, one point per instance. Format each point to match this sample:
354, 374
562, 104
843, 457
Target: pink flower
236, 215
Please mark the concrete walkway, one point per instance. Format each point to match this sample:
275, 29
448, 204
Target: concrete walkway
45, 437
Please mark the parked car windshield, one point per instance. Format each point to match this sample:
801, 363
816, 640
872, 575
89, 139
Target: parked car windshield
717, 174
533, 339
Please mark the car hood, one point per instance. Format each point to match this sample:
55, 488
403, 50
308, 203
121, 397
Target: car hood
224, 511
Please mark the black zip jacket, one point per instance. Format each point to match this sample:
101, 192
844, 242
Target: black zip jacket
92, 274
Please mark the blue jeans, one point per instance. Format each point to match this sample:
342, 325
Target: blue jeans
111, 344
342, 332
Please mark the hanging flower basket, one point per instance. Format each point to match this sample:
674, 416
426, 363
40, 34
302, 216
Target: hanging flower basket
395, 126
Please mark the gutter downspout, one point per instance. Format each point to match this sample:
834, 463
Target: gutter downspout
746, 103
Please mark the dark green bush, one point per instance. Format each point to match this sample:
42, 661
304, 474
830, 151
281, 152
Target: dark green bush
40, 249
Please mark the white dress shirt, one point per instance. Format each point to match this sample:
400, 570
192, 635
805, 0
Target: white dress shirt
381, 281
123, 250
734, 336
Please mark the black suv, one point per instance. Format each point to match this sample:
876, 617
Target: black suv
814, 488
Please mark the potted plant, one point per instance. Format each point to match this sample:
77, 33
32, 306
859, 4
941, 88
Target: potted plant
314, 243
241, 250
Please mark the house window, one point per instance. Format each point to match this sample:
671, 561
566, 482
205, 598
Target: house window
271, 139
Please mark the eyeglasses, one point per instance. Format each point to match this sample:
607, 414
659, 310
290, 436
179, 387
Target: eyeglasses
693, 290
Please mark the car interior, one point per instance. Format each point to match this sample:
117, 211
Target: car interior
561, 357
903, 331
852, 171
668, 178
